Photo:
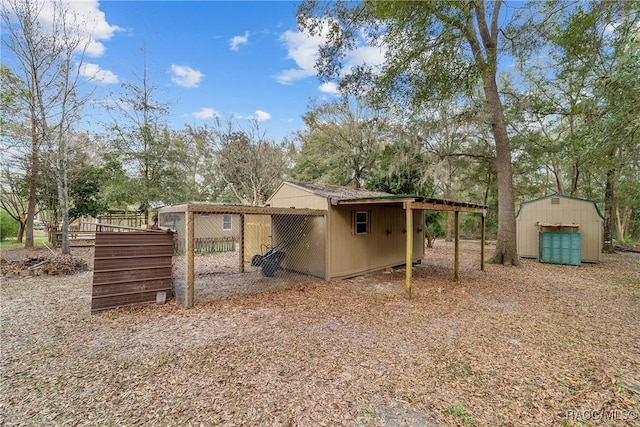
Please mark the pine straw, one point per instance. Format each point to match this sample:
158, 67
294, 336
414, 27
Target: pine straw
538, 345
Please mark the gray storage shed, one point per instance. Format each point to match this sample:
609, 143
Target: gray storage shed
560, 209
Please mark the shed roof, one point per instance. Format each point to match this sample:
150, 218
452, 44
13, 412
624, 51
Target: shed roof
564, 196
339, 192
339, 195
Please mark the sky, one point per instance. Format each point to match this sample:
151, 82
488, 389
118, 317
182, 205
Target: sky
241, 59
206, 59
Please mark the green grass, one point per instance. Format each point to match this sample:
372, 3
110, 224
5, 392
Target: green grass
9, 244
458, 411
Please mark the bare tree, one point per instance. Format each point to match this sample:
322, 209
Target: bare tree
248, 164
49, 60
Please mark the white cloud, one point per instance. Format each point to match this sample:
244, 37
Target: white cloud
237, 41
94, 72
261, 116
185, 76
303, 50
206, 113
330, 88
87, 16
370, 55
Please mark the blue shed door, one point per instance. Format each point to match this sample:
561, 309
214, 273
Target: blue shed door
559, 248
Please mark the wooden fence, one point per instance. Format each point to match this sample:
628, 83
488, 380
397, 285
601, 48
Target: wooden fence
206, 245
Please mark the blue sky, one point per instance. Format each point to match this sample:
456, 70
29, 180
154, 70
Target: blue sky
211, 58
241, 59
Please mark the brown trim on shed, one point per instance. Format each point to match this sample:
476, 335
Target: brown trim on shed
443, 205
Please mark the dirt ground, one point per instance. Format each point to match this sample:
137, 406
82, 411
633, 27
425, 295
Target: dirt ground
541, 345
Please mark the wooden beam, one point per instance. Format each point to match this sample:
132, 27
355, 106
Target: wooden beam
409, 249
482, 238
374, 201
250, 210
327, 247
174, 208
102, 225
456, 256
189, 249
450, 208
241, 246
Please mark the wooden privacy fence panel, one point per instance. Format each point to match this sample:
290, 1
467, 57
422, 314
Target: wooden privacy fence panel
207, 245
131, 269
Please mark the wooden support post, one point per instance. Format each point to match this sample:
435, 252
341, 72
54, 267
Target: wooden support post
189, 249
456, 256
482, 238
409, 249
241, 246
327, 246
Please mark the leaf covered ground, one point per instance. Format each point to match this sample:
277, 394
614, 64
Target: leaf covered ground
539, 345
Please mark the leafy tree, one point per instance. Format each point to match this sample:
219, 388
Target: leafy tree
197, 162
432, 50
141, 141
615, 132
8, 225
434, 228
400, 169
14, 190
585, 98
85, 194
13, 128
456, 142
340, 143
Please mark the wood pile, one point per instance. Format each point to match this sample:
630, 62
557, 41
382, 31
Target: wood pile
36, 266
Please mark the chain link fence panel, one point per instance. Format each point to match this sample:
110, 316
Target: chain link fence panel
237, 254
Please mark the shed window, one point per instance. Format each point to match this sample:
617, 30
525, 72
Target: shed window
226, 222
361, 222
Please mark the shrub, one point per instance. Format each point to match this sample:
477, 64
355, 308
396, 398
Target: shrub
8, 226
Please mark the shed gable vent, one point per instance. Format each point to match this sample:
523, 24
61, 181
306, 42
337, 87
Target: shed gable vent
555, 200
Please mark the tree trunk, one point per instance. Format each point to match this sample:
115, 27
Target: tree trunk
20, 233
619, 228
574, 179
447, 195
626, 222
506, 252
64, 208
33, 181
622, 223
430, 239
607, 245
556, 173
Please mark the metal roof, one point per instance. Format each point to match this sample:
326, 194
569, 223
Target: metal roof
339, 192
564, 196
337, 195
348, 195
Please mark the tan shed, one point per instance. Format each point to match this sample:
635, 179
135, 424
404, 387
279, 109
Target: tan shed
560, 209
326, 231
364, 230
